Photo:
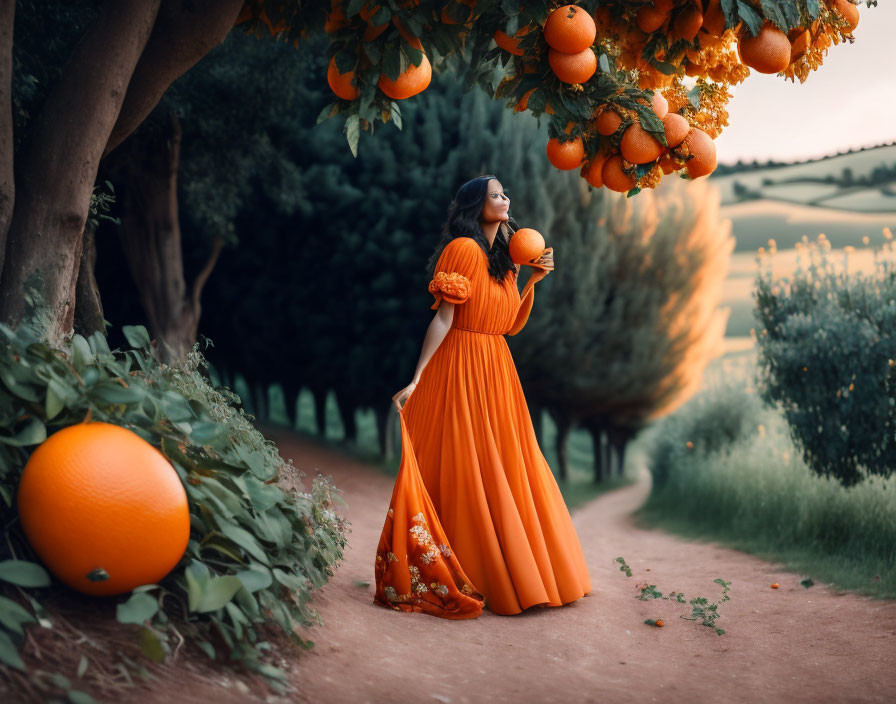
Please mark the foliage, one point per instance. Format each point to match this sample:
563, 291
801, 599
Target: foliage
701, 608
826, 351
631, 63
259, 543
626, 324
751, 489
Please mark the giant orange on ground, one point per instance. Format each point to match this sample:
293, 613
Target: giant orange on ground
103, 509
570, 29
525, 245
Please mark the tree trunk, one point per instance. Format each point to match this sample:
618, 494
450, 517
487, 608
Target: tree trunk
7, 180
147, 167
320, 411
563, 423
88, 305
381, 412
57, 174
597, 451
260, 401
290, 395
184, 32
347, 414
619, 439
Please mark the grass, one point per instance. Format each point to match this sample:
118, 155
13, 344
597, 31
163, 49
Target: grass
577, 490
757, 495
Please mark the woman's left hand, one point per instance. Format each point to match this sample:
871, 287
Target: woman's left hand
545, 262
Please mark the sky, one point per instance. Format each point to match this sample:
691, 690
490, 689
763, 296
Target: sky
849, 102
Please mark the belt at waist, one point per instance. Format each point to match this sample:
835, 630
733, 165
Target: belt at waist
481, 332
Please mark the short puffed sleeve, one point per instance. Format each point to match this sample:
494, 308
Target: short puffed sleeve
455, 271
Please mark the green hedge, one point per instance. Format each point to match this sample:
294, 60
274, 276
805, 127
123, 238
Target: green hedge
751, 489
259, 543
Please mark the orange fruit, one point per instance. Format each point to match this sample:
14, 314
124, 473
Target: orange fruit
714, 18
373, 30
614, 177
608, 122
336, 18
639, 146
525, 245
692, 69
447, 19
341, 83
570, 29
687, 23
593, 171
676, 128
701, 146
566, 155
848, 11
799, 42
659, 104
573, 68
767, 52
512, 44
414, 80
660, 623
104, 509
524, 103
668, 164
650, 19
774, 586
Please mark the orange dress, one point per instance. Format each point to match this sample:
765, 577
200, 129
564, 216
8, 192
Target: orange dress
476, 515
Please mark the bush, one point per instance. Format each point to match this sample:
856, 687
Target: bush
709, 422
826, 344
757, 494
259, 543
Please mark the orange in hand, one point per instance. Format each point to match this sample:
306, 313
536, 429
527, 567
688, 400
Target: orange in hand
525, 245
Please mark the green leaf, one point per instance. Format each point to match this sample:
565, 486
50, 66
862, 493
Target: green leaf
113, 392
76, 696
206, 648
806, 583
137, 336
255, 579
138, 609
24, 574
82, 666
245, 540
353, 132
750, 17
9, 654
150, 645
217, 592
34, 433
55, 399
82, 357
13, 615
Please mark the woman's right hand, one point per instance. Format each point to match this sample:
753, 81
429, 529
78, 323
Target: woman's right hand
402, 396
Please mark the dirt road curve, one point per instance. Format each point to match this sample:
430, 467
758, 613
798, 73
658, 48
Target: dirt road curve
790, 644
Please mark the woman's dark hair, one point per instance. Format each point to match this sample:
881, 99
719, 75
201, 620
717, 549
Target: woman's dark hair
463, 221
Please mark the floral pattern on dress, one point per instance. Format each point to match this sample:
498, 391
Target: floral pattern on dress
433, 553
451, 286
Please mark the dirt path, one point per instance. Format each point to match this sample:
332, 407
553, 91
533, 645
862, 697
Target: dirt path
805, 645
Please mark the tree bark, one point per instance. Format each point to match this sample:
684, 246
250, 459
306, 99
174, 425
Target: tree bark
347, 415
260, 401
381, 412
184, 32
564, 424
88, 304
7, 181
150, 236
320, 410
56, 178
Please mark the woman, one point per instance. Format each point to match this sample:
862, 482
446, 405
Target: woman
476, 516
